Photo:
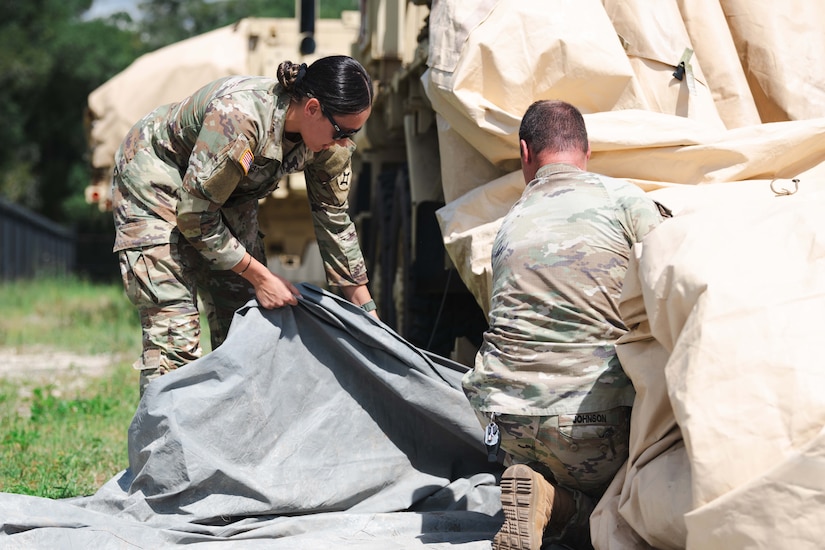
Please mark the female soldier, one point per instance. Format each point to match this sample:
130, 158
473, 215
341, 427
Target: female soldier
187, 181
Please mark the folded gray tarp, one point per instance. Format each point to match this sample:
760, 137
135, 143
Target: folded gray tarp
311, 427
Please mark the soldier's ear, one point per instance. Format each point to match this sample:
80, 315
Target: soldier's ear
525, 152
312, 107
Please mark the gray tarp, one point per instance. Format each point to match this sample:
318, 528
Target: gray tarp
311, 427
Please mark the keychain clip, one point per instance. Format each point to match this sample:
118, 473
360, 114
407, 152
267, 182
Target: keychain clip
492, 439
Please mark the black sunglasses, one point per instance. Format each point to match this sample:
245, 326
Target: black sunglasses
339, 133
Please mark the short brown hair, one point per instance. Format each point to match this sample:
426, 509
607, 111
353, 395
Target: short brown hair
554, 126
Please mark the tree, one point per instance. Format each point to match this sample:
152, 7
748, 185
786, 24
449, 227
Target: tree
166, 21
50, 60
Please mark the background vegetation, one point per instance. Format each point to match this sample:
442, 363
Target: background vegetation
52, 57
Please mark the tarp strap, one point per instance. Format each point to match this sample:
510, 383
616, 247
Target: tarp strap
684, 68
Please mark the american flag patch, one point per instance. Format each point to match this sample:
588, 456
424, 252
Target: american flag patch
246, 160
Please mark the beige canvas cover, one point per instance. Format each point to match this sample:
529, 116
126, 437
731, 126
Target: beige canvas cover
728, 429
727, 441
615, 61
160, 77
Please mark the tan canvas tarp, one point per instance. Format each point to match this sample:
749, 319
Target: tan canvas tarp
727, 446
653, 160
481, 80
782, 46
157, 78
616, 59
728, 437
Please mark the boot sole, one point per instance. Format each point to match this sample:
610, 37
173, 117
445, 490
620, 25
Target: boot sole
518, 501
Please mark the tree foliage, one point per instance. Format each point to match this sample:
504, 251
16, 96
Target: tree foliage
51, 58
166, 21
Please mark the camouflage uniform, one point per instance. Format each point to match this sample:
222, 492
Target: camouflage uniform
187, 181
547, 368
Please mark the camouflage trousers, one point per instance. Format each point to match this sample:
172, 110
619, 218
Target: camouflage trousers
581, 452
166, 283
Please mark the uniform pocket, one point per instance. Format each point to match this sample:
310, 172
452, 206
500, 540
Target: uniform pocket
598, 433
134, 272
147, 275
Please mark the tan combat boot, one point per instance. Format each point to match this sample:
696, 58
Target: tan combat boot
530, 502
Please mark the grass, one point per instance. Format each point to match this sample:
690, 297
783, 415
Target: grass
68, 314
59, 438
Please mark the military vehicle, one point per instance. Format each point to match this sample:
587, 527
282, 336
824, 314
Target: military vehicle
437, 164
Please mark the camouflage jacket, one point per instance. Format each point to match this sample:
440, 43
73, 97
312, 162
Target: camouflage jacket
184, 163
558, 264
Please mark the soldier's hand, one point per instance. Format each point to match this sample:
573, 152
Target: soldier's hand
271, 290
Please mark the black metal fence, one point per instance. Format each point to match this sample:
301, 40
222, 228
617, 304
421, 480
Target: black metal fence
33, 246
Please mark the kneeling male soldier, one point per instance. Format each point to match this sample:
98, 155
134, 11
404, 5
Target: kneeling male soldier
547, 379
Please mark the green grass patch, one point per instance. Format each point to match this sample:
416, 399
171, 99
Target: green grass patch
65, 434
68, 314
58, 446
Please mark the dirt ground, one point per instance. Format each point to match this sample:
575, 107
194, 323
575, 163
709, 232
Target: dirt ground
42, 366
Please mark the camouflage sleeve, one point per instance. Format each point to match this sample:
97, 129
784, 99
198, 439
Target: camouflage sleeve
220, 158
328, 181
640, 213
